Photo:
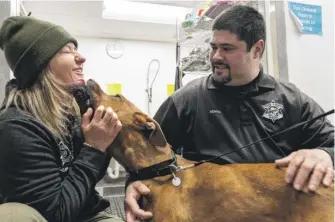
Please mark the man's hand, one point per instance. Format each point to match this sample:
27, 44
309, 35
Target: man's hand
307, 169
133, 193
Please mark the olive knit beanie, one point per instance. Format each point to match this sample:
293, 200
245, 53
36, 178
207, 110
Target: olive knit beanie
29, 44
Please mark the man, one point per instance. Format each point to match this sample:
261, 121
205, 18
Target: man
239, 104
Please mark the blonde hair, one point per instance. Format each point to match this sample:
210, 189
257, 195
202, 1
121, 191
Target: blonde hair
48, 101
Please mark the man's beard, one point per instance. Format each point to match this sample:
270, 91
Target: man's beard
221, 78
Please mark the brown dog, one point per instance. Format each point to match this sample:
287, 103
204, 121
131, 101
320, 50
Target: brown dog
208, 192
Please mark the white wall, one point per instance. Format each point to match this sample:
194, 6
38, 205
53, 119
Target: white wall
311, 57
131, 69
310, 62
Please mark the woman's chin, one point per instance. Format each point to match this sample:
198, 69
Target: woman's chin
79, 82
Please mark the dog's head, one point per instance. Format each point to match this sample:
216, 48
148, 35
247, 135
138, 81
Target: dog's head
141, 142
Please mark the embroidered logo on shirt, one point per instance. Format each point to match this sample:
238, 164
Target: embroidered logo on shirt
273, 111
214, 111
65, 156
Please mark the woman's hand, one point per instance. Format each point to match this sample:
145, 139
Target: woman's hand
101, 131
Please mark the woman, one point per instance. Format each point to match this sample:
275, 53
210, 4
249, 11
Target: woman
49, 161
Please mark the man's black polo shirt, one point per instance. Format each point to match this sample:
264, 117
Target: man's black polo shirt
207, 121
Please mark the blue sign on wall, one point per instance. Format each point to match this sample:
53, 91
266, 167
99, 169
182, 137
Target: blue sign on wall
309, 17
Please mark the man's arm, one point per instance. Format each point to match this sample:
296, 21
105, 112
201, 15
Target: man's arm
312, 163
319, 134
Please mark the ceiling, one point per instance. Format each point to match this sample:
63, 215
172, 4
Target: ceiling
84, 18
187, 4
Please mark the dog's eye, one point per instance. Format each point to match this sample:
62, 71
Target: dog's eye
146, 130
117, 96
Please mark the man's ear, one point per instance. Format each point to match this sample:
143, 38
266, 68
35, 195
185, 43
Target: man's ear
150, 129
259, 48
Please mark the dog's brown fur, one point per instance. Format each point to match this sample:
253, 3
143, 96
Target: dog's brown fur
209, 192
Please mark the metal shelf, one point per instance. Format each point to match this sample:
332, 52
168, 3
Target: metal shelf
199, 38
198, 35
200, 32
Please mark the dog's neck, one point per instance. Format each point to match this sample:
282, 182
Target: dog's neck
139, 158
158, 169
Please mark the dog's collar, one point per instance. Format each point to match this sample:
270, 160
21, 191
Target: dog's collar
160, 169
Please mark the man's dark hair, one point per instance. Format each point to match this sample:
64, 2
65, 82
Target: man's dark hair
244, 21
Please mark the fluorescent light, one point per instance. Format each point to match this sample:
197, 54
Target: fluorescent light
143, 12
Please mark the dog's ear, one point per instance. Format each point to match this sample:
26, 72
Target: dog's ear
94, 87
150, 129
157, 136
